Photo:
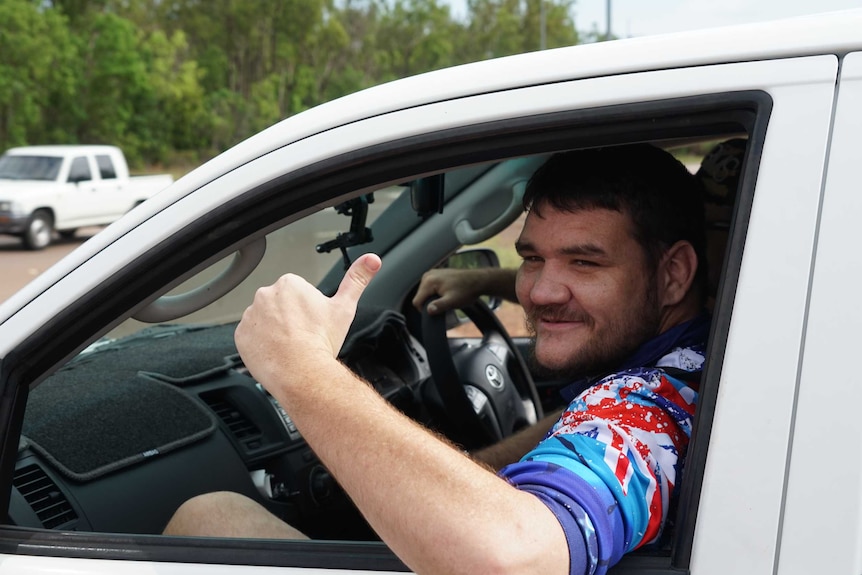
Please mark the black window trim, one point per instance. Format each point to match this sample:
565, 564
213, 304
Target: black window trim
323, 182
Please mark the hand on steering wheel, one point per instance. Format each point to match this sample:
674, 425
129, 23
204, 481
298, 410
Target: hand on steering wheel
486, 387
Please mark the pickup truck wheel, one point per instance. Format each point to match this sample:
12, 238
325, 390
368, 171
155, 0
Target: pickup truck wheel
39, 231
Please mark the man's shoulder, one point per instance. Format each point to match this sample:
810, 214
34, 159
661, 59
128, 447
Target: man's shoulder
682, 362
689, 359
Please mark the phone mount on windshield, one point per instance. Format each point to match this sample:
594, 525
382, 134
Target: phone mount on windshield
357, 209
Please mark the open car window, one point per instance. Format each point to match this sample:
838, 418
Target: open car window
154, 414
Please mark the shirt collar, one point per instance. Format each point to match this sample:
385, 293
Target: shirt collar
691, 333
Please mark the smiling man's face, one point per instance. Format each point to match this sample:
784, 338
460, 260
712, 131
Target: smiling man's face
587, 289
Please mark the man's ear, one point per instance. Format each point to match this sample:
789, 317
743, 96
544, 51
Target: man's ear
676, 273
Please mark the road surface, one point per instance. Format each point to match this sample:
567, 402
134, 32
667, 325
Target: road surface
19, 266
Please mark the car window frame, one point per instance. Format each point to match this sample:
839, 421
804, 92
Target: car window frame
326, 181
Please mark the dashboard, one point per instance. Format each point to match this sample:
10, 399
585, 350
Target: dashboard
131, 428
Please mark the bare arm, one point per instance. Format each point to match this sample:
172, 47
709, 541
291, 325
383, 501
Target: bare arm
516, 446
458, 288
438, 510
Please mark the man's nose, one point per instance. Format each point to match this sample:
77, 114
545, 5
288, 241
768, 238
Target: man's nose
549, 288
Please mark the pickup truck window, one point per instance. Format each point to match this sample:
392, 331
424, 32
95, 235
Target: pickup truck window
80, 170
29, 167
106, 167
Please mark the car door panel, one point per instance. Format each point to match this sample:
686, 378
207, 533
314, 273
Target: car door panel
824, 482
753, 372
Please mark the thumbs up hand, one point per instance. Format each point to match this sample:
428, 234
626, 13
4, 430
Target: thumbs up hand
292, 321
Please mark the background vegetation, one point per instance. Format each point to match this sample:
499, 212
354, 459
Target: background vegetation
177, 81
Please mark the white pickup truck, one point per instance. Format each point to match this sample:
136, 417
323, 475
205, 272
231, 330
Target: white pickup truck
122, 395
63, 188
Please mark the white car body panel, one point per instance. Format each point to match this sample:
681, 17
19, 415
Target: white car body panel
824, 488
760, 370
761, 510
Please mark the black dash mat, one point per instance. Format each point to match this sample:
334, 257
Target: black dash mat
88, 426
180, 356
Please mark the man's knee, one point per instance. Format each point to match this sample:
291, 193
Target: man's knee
227, 514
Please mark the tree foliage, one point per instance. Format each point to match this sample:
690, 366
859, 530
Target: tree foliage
193, 77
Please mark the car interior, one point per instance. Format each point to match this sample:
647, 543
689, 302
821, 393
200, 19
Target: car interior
159, 407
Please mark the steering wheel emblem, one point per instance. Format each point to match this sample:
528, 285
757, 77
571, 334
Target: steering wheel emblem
494, 376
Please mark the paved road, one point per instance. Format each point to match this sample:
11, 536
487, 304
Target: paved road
19, 266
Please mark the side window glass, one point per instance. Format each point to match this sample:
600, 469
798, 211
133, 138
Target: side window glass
80, 170
106, 167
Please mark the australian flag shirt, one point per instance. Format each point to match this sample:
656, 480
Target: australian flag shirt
608, 467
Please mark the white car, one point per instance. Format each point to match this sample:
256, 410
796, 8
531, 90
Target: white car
123, 394
63, 188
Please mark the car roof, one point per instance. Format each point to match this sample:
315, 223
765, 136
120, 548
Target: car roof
828, 33
59, 150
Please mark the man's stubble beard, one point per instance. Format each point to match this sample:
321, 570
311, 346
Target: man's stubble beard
605, 353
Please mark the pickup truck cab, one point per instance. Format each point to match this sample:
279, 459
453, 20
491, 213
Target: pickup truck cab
63, 188
122, 394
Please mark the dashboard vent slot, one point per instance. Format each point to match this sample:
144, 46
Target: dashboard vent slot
242, 428
43, 495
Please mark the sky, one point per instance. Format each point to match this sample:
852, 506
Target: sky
647, 17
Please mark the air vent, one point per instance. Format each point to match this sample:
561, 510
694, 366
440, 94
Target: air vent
43, 495
242, 428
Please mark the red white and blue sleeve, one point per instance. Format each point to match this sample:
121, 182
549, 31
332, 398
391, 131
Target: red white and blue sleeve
608, 467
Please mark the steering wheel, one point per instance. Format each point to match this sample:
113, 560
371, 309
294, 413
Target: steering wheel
486, 388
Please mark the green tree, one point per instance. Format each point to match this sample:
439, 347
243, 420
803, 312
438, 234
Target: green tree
114, 84
415, 36
35, 72
505, 27
197, 76
174, 111
76, 10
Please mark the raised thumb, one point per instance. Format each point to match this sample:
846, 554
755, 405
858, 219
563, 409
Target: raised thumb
357, 278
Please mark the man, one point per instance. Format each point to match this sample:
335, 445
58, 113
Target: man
612, 289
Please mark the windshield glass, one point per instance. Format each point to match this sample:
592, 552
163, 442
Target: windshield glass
292, 248
30, 167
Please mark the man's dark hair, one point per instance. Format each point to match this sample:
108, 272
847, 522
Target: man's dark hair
664, 200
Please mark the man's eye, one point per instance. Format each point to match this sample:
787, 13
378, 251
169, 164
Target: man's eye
584, 263
530, 259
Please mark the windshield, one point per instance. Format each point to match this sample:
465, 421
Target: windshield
29, 167
293, 248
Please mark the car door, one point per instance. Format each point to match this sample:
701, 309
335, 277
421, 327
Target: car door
78, 203
95, 196
824, 500
108, 189
771, 101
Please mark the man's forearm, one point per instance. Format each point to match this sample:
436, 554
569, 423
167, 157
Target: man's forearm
501, 283
439, 510
457, 288
418, 492
516, 446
